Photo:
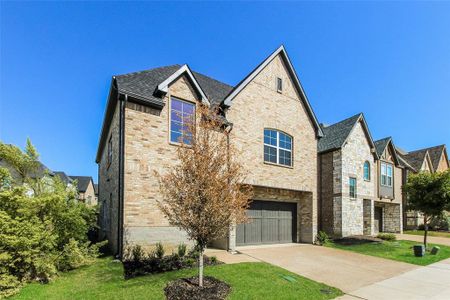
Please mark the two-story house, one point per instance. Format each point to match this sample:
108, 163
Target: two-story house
432, 159
388, 205
271, 121
348, 178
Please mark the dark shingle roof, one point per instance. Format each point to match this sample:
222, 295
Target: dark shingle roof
381, 144
416, 158
144, 83
83, 182
63, 176
336, 134
435, 155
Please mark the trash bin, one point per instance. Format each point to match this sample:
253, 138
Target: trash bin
419, 250
435, 250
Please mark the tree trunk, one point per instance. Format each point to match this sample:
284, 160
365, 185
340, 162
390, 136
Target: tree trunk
425, 227
200, 268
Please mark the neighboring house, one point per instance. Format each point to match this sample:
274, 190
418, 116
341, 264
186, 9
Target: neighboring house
85, 187
348, 178
433, 159
389, 203
272, 123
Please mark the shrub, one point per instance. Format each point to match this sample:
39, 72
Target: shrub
43, 227
137, 253
440, 222
159, 250
181, 250
322, 238
387, 236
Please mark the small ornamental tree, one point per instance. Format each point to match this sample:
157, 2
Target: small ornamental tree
204, 194
428, 193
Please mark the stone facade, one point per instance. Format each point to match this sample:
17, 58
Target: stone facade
343, 215
258, 106
443, 163
147, 149
109, 187
391, 201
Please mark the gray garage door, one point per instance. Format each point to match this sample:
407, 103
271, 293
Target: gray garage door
269, 223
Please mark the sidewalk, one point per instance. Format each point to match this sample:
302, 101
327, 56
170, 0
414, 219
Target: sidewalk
419, 238
428, 282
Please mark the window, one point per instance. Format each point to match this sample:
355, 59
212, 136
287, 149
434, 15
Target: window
352, 186
181, 114
367, 171
110, 151
279, 84
277, 147
386, 174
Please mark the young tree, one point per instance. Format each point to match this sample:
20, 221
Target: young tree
428, 193
204, 193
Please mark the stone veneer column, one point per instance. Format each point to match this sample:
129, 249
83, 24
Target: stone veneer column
232, 240
368, 214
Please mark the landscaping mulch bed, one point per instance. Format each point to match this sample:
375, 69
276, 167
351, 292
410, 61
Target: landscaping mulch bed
187, 288
357, 240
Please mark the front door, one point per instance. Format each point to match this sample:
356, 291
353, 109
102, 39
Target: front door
378, 219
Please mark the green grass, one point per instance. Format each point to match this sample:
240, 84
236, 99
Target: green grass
398, 250
430, 233
104, 280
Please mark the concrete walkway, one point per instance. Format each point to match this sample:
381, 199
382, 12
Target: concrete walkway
429, 282
345, 270
419, 238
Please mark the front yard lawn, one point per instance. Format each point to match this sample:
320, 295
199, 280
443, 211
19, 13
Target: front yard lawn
430, 233
397, 250
104, 280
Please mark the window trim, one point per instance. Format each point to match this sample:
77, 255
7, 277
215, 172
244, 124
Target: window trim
279, 84
278, 148
367, 163
350, 188
170, 116
386, 166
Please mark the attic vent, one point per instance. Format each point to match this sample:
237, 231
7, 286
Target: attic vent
279, 85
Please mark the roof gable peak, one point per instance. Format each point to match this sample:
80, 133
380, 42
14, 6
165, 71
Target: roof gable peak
279, 51
163, 87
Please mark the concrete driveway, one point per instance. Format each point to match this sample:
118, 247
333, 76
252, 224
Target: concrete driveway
345, 270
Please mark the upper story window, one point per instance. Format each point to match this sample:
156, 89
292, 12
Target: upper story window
352, 187
181, 115
110, 153
277, 147
367, 171
386, 174
279, 84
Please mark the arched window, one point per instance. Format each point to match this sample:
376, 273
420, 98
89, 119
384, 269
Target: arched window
367, 171
277, 147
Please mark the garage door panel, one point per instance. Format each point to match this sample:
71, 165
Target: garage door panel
285, 230
253, 232
269, 222
269, 230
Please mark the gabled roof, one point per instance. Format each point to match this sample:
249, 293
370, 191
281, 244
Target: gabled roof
435, 154
82, 182
417, 158
337, 134
381, 144
280, 51
63, 176
144, 84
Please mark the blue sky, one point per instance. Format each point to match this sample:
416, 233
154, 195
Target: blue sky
388, 60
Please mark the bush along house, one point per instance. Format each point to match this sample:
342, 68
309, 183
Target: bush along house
272, 123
